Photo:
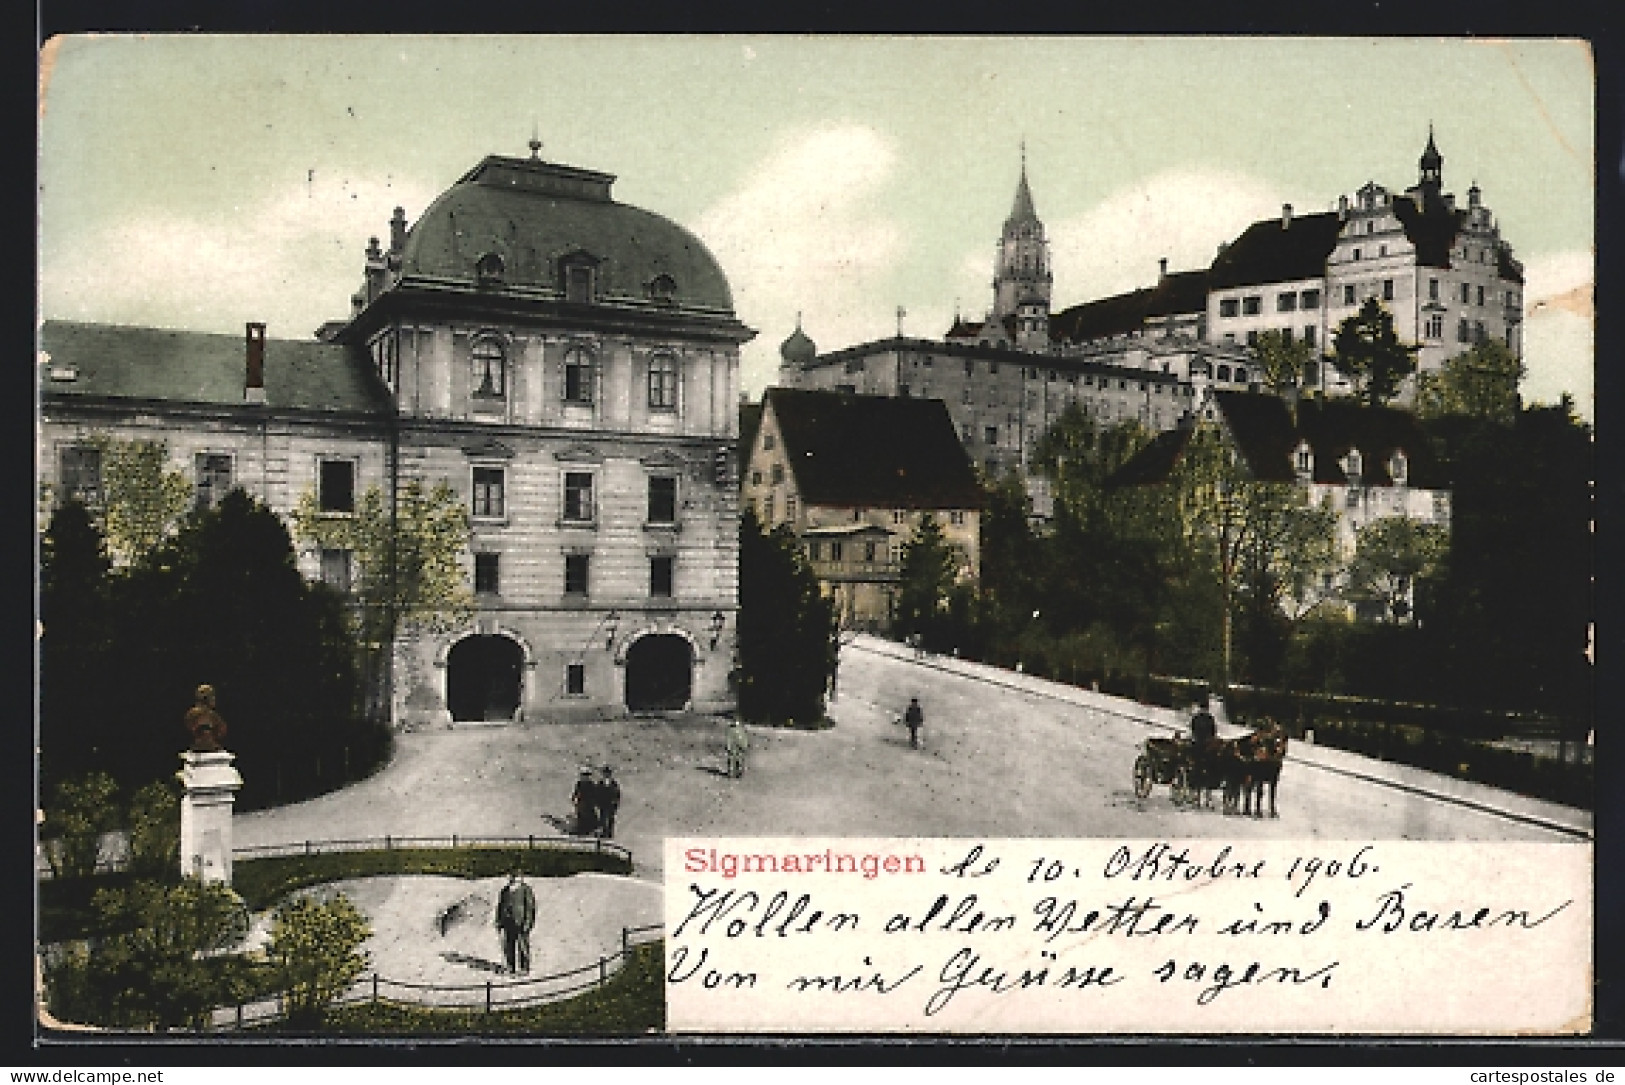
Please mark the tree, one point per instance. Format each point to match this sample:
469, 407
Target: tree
1368, 352
81, 813
153, 965
1284, 360
142, 500
409, 560
75, 641
930, 567
155, 830
1480, 383
788, 644
315, 953
1391, 555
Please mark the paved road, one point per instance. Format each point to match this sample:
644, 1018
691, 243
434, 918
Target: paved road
1004, 755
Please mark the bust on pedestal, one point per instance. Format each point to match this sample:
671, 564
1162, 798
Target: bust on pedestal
211, 790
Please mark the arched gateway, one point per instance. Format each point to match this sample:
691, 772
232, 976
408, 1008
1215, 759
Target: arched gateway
483, 678
659, 673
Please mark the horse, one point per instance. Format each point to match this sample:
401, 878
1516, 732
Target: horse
1268, 752
1223, 764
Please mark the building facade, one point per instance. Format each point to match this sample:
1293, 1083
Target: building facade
568, 364
854, 477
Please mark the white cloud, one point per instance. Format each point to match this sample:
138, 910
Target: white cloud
1559, 333
1182, 214
803, 234
291, 259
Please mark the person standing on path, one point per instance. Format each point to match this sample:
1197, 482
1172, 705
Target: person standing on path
585, 799
738, 742
914, 719
516, 915
609, 801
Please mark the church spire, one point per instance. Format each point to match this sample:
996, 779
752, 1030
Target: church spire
1021, 275
1022, 210
1431, 164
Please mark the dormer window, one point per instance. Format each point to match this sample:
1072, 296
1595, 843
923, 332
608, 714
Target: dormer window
1399, 467
663, 289
578, 271
489, 269
1352, 466
490, 369
1304, 460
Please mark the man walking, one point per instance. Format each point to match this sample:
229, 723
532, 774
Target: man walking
516, 915
609, 801
585, 800
914, 719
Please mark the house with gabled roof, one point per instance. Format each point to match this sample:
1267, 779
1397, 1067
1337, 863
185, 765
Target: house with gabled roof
1365, 463
853, 477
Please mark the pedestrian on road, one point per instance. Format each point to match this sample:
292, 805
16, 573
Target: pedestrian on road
609, 801
738, 743
914, 719
516, 915
585, 800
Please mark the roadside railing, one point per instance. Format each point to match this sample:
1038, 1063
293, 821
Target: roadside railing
491, 996
596, 845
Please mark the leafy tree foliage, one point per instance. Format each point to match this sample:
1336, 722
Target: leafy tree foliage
1367, 351
76, 640
1391, 555
928, 572
1479, 383
155, 829
142, 499
315, 953
1284, 360
788, 636
76, 817
151, 967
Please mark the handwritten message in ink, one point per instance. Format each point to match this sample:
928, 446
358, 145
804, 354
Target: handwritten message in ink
1080, 936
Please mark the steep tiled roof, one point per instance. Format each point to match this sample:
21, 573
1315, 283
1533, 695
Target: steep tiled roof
1102, 318
873, 451
1267, 252
750, 420
1178, 293
130, 362
964, 329
1265, 436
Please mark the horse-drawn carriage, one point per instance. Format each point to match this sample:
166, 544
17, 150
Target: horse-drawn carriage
1239, 768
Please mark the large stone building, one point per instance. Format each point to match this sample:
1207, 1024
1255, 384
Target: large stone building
854, 477
567, 363
1153, 354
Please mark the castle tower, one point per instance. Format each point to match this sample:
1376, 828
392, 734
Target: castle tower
1021, 273
1431, 166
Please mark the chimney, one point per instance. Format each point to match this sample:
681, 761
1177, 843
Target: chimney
1286, 215
1342, 207
1162, 268
376, 270
254, 382
397, 231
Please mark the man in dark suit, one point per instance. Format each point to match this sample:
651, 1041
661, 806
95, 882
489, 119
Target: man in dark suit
914, 719
609, 801
585, 800
516, 915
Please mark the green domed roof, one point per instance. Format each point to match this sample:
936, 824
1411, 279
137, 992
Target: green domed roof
798, 349
535, 217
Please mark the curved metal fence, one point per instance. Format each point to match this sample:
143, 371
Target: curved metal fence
596, 845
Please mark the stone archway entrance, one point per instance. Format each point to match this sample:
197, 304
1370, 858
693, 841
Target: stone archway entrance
659, 673
483, 678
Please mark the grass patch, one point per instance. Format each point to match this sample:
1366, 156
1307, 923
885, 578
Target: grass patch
632, 1003
262, 882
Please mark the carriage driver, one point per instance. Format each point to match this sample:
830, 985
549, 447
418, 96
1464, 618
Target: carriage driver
1203, 729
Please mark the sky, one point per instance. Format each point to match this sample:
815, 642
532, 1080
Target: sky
206, 181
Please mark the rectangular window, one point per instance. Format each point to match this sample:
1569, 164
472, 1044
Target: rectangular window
956, 517
1348, 294
662, 499
769, 509
1435, 326
578, 284
835, 550
213, 478
868, 551
789, 507
1309, 335
1464, 332
1357, 251
1286, 303
755, 478
1227, 306
489, 496
576, 567
1252, 305
1252, 337
336, 483
814, 550
578, 496
660, 575
1481, 295
1388, 290
336, 569
1466, 293
991, 435
1433, 289
778, 473
487, 579
575, 679
82, 474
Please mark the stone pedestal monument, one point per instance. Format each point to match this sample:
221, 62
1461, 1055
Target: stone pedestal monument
211, 785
